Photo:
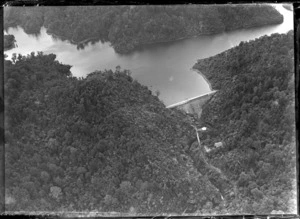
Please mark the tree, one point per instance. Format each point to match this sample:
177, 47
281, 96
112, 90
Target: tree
258, 195
55, 192
244, 179
45, 176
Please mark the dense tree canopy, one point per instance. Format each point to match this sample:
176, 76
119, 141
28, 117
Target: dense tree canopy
103, 142
254, 113
106, 143
129, 27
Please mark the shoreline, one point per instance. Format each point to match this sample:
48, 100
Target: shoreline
14, 45
70, 40
205, 34
209, 33
200, 73
180, 38
145, 44
9, 48
84, 41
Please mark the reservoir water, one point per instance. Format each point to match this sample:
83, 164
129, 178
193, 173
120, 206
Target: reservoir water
164, 66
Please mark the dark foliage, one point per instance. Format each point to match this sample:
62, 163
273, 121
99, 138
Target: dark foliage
105, 143
129, 27
9, 42
254, 113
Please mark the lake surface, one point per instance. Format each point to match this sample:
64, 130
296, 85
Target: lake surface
164, 66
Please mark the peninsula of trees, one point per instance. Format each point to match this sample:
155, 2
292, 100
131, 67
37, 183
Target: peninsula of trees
9, 42
106, 143
130, 27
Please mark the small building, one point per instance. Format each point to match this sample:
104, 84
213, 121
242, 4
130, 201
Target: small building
218, 144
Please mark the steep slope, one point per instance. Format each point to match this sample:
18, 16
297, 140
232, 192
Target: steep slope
105, 143
101, 143
254, 114
129, 27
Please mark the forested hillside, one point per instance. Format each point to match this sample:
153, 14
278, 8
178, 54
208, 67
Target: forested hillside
129, 27
101, 143
254, 114
105, 143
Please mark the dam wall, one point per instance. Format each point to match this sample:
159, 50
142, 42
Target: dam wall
193, 105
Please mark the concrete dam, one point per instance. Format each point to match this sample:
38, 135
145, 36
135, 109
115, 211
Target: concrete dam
193, 105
